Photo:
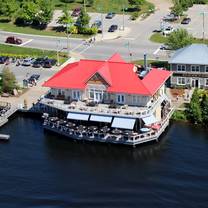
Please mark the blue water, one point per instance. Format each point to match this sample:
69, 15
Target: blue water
42, 170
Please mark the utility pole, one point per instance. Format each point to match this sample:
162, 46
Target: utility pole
203, 27
84, 2
57, 52
123, 16
203, 23
67, 32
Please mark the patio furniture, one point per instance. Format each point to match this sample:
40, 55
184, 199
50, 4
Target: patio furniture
144, 130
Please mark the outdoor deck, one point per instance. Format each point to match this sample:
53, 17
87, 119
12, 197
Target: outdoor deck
103, 109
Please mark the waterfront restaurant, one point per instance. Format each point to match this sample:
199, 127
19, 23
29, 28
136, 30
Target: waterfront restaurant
107, 101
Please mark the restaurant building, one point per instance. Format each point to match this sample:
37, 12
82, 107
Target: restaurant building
108, 101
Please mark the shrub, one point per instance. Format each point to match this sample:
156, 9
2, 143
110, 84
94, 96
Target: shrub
134, 15
73, 29
88, 31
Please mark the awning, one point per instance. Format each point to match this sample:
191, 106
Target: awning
149, 120
123, 123
78, 116
99, 118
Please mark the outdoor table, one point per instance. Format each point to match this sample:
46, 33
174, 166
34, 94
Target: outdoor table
116, 131
144, 130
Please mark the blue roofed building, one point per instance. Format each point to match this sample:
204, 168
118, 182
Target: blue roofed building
190, 66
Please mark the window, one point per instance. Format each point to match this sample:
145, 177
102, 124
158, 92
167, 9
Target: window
206, 82
120, 98
181, 68
206, 68
181, 80
195, 68
76, 94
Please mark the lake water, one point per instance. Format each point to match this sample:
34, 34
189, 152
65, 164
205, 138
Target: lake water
41, 170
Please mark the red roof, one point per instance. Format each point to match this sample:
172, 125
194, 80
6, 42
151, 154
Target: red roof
118, 74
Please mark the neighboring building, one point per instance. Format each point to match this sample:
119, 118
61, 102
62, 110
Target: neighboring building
111, 93
190, 66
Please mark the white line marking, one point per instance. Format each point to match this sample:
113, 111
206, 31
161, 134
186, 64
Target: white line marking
26, 42
156, 51
78, 46
85, 49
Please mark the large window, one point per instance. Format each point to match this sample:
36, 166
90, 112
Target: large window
195, 68
96, 95
181, 67
120, 98
206, 68
181, 80
76, 94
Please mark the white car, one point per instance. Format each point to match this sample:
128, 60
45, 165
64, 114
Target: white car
168, 30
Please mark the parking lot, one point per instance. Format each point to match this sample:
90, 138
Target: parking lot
25, 72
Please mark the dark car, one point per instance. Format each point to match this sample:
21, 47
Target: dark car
110, 15
13, 40
113, 28
34, 78
38, 62
186, 21
170, 17
49, 63
76, 12
3, 59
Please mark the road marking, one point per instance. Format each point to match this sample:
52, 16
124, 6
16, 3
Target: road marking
156, 51
26, 42
128, 38
78, 46
85, 49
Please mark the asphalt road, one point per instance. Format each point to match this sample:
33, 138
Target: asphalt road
137, 39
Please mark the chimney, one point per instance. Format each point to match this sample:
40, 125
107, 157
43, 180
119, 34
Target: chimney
145, 61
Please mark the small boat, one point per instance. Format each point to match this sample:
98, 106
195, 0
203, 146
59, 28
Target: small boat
4, 137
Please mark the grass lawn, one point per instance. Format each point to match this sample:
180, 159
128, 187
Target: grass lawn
100, 5
10, 27
159, 38
16, 51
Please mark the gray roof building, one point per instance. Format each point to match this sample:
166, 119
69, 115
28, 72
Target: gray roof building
192, 54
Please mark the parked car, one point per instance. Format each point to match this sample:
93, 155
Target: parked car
113, 28
110, 15
97, 24
186, 21
13, 40
164, 47
3, 59
168, 30
38, 62
27, 62
170, 17
48, 63
76, 12
33, 79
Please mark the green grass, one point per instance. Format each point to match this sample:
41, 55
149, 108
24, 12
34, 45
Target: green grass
17, 51
159, 38
10, 27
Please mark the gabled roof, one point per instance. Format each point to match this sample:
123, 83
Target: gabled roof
119, 76
116, 57
155, 79
192, 54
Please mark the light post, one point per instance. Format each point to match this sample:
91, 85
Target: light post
57, 52
123, 15
203, 24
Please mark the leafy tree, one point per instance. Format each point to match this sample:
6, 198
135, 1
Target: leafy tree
179, 39
194, 110
83, 20
8, 81
90, 2
177, 9
8, 8
204, 106
66, 19
136, 3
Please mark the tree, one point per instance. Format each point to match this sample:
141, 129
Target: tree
8, 8
194, 110
179, 39
177, 9
9, 82
136, 3
66, 19
83, 20
204, 106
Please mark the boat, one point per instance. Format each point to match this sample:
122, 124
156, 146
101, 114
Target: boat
4, 137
